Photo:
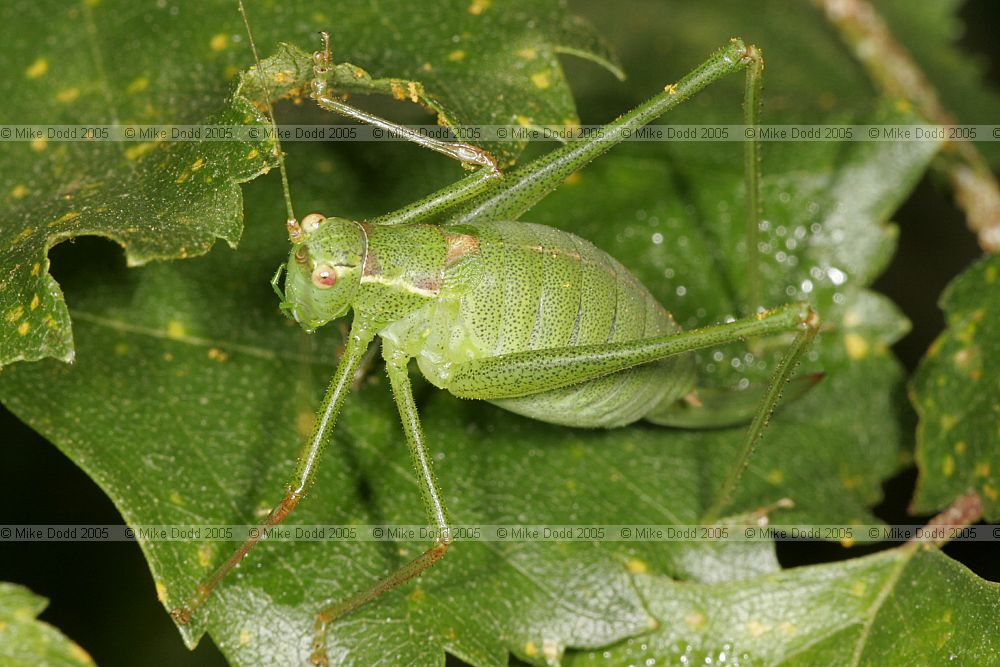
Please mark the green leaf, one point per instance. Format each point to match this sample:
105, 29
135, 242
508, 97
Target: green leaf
190, 394
956, 392
27, 642
906, 606
162, 200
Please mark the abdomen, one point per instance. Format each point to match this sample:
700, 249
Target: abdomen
537, 287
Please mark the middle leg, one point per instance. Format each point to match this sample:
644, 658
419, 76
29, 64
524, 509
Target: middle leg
433, 504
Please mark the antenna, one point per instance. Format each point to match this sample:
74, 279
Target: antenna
293, 223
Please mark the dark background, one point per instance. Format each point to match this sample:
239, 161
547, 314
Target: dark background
102, 595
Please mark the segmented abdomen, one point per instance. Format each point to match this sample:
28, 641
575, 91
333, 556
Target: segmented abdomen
538, 287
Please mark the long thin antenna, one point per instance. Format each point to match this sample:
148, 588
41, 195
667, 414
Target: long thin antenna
292, 220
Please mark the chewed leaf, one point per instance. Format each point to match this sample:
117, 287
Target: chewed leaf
24, 640
957, 394
158, 200
907, 606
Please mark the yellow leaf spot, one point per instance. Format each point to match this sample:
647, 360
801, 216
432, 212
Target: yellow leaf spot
948, 422
138, 150
14, 314
991, 274
427, 67
903, 106
206, 552
36, 269
851, 481
19, 192
775, 476
636, 566
858, 589
35, 302
26, 234
990, 492
417, 595
37, 68
40, 144
244, 637
23, 329
68, 95
756, 628
183, 177
787, 628
121, 349
80, 655
530, 649
69, 216
857, 347
524, 121
946, 617
541, 80
982, 469
230, 72
93, 3
479, 6
219, 42
572, 179
176, 330
960, 447
198, 164
695, 619
161, 592
456, 55
175, 498
138, 85
215, 354
963, 356
252, 155
947, 465
528, 53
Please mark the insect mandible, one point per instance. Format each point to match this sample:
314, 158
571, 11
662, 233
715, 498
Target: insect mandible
581, 342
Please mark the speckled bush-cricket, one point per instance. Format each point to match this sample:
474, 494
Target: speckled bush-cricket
530, 318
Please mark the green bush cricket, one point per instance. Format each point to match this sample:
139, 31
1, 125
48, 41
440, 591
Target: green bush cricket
533, 319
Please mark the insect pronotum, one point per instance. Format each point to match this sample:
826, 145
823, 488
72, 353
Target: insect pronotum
601, 353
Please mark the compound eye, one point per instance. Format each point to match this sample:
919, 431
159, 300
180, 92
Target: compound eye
311, 222
324, 276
